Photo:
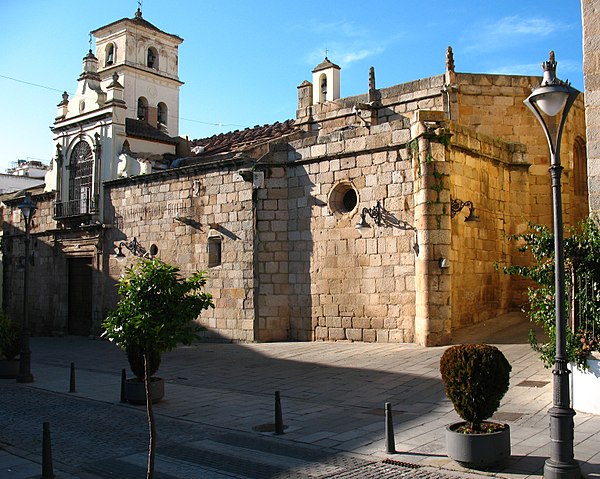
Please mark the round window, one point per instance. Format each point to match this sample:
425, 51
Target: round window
343, 198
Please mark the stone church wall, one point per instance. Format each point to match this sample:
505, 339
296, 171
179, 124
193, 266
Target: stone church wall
41, 313
51, 250
493, 105
494, 176
178, 211
346, 283
590, 10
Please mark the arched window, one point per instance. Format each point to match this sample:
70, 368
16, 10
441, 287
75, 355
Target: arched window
152, 58
142, 109
323, 88
162, 113
81, 166
110, 55
580, 168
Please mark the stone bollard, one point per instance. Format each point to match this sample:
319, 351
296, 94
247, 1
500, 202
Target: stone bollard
47, 469
72, 388
278, 415
390, 444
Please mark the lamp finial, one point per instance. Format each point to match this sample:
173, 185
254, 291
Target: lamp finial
550, 65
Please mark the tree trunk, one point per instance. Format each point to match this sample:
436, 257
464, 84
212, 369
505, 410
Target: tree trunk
151, 425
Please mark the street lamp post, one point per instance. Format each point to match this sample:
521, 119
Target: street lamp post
27, 209
546, 101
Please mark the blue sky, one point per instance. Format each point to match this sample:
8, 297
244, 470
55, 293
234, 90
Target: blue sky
242, 60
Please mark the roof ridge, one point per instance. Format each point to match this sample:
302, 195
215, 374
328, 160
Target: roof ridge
240, 138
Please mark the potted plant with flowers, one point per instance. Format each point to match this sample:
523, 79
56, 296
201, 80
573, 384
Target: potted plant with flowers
476, 378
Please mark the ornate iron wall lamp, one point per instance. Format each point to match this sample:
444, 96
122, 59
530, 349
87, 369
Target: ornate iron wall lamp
136, 248
27, 208
457, 205
376, 212
549, 98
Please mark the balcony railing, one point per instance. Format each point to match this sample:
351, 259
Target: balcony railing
74, 208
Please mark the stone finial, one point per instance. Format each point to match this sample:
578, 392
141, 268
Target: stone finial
115, 81
374, 95
305, 95
371, 78
125, 149
65, 99
449, 59
59, 155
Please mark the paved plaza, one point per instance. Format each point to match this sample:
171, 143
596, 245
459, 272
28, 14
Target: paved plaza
218, 412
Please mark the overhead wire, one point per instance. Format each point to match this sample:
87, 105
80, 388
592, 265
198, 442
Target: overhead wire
219, 124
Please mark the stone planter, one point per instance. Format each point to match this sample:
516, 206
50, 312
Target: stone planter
135, 392
585, 386
477, 451
9, 369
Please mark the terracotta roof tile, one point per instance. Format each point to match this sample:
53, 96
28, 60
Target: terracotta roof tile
240, 139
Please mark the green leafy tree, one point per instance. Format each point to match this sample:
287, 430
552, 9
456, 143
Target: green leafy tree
582, 267
156, 311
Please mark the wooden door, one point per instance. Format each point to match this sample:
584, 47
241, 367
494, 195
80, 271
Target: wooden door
80, 296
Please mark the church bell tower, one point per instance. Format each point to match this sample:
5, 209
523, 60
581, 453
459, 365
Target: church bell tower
147, 62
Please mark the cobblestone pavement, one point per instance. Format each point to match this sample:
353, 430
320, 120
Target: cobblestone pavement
93, 439
219, 396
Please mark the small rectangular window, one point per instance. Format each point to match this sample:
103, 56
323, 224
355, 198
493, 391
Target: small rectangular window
214, 251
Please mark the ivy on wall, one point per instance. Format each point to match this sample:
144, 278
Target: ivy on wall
438, 135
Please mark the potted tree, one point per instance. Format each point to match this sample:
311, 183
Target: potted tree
476, 377
9, 347
135, 387
156, 311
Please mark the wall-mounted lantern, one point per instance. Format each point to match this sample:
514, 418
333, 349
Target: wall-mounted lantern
136, 248
376, 212
457, 205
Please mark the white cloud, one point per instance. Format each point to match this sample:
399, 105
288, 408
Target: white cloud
343, 54
341, 28
352, 56
563, 69
345, 42
516, 26
519, 69
511, 30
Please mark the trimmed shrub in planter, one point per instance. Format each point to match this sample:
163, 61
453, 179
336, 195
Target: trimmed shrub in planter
476, 378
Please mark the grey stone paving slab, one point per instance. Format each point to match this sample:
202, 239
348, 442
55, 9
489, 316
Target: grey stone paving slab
327, 389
